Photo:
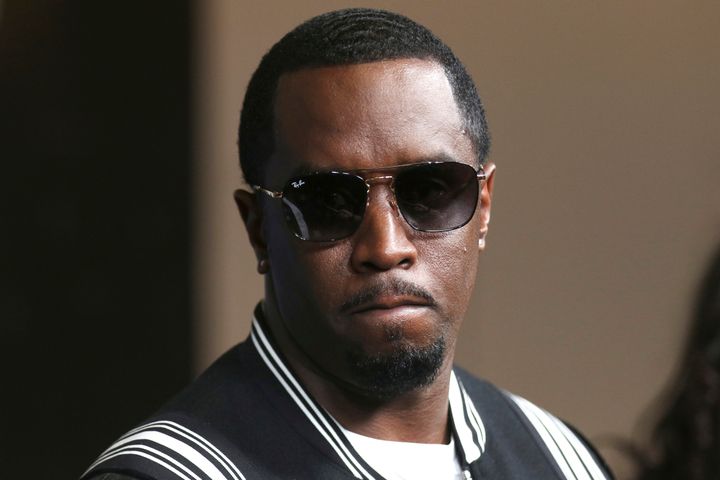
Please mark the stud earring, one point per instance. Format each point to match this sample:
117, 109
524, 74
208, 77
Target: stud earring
263, 266
481, 243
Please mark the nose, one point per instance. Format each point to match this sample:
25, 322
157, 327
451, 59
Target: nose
384, 239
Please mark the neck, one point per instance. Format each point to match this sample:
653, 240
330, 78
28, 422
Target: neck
420, 415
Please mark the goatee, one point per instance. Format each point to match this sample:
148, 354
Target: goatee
387, 375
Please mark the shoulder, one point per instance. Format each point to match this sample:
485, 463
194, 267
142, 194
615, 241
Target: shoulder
573, 453
192, 432
515, 423
166, 448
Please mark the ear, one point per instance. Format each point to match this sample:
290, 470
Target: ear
251, 213
486, 202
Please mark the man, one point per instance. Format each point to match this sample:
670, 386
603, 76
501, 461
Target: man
365, 144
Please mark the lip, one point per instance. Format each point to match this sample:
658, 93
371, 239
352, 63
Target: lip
390, 304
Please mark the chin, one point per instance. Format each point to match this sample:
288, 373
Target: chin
401, 369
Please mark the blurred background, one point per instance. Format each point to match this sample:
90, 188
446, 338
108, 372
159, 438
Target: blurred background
125, 270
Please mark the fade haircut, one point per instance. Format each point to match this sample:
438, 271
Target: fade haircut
348, 37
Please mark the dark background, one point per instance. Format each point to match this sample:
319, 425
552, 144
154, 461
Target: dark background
94, 224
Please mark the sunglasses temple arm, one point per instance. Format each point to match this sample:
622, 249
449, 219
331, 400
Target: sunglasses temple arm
267, 192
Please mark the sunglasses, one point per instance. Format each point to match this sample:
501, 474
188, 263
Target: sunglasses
327, 206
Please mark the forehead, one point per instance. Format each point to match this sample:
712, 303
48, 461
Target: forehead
366, 116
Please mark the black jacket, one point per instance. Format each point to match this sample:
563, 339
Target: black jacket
248, 417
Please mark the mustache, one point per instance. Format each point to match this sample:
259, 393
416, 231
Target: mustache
393, 286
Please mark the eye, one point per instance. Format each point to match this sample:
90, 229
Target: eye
424, 194
339, 202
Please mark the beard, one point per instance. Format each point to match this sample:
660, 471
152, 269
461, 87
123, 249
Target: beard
385, 376
407, 366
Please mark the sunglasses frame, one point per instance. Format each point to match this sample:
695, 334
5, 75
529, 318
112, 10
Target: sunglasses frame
479, 174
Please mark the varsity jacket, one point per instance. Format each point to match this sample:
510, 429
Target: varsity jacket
248, 417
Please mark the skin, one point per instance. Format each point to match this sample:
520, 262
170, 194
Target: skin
367, 116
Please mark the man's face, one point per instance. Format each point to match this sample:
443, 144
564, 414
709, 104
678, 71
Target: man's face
381, 309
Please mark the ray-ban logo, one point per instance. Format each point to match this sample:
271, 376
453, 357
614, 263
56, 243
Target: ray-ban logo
297, 184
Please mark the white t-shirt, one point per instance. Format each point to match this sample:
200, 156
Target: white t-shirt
407, 460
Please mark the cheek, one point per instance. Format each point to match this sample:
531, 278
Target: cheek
306, 275
327, 272
453, 267
285, 266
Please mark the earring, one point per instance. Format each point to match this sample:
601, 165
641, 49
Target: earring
263, 266
481, 243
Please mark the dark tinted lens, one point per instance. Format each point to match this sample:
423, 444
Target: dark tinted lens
325, 206
437, 197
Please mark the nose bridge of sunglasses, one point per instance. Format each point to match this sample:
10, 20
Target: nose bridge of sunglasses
379, 180
381, 198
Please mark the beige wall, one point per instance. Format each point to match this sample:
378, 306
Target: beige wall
604, 117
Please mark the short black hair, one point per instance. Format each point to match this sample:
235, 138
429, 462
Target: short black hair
347, 37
